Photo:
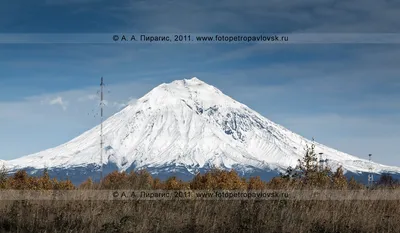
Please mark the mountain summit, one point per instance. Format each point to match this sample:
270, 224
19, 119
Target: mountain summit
193, 126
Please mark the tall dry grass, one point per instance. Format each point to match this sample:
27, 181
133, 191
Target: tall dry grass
199, 215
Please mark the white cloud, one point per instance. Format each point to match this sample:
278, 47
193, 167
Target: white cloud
59, 101
17, 116
121, 105
131, 100
88, 97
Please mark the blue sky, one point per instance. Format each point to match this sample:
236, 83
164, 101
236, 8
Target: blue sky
344, 95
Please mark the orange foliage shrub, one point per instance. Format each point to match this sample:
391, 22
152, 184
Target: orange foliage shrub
173, 183
21, 180
339, 180
64, 185
255, 183
87, 184
115, 180
218, 179
354, 185
212, 180
278, 183
157, 184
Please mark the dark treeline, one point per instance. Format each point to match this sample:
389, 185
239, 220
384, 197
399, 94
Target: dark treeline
307, 174
214, 179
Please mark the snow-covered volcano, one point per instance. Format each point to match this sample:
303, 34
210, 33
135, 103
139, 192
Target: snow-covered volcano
189, 124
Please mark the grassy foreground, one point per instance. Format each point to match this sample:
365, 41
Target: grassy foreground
195, 215
200, 216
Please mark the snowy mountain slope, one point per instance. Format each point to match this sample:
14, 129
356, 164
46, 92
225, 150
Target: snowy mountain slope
191, 124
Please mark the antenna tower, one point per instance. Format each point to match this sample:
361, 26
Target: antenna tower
101, 128
370, 175
321, 162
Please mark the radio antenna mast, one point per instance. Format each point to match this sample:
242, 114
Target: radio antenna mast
101, 128
321, 162
370, 175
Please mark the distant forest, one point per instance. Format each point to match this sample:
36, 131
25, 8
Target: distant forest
307, 174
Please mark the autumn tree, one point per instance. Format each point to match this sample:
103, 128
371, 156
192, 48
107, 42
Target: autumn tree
218, 179
197, 182
20, 180
234, 181
307, 172
308, 166
133, 180
205, 181
305, 166
255, 183
87, 184
45, 182
354, 185
145, 180
64, 185
322, 178
115, 180
279, 183
339, 180
173, 183
157, 184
